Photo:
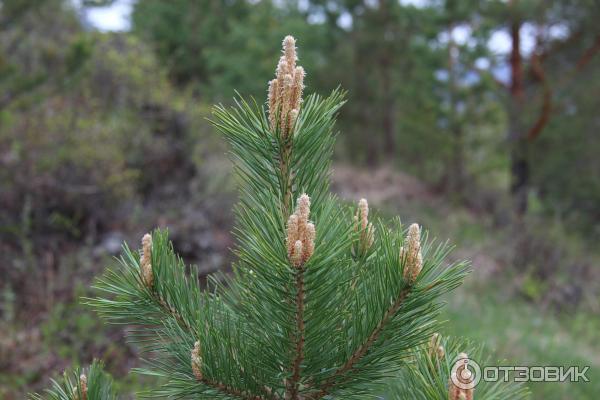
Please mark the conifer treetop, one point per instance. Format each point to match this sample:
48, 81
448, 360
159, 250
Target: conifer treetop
324, 301
285, 91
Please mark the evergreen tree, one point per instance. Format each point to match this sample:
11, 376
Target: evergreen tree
324, 302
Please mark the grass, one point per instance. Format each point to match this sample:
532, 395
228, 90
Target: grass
520, 334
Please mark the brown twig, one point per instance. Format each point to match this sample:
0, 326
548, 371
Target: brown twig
363, 348
170, 310
538, 72
299, 335
588, 55
229, 390
544, 115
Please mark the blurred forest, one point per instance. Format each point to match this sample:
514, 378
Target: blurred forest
479, 119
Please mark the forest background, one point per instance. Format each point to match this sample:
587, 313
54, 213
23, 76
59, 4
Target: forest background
478, 119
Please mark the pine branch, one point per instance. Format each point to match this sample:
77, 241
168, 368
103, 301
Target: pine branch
545, 112
90, 383
147, 291
171, 310
428, 378
588, 54
229, 390
218, 364
300, 338
364, 348
395, 328
286, 176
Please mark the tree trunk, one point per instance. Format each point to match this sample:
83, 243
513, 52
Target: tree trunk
387, 95
519, 157
456, 170
519, 170
518, 147
388, 110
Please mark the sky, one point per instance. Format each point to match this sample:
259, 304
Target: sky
111, 18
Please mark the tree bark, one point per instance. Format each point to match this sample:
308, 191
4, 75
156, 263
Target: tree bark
456, 170
387, 95
388, 110
519, 157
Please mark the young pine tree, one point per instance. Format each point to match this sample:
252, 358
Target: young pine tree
324, 301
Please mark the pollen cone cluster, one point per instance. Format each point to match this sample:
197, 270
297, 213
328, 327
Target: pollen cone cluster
196, 360
364, 229
455, 392
285, 91
83, 386
411, 255
146, 262
300, 233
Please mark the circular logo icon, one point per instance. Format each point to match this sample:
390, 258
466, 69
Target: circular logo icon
466, 373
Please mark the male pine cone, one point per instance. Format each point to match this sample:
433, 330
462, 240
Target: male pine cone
146, 261
285, 91
364, 229
300, 233
411, 255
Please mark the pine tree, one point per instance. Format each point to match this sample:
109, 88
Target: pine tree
324, 300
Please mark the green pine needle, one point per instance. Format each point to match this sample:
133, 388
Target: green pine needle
98, 385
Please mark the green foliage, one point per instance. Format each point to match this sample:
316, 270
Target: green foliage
361, 318
67, 122
174, 289
567, 184
429, 92
392, 59
529, 336
428, 377
333, 267
97, 385
218, 47
88, 121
